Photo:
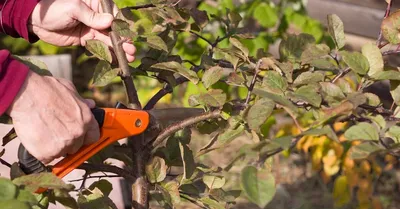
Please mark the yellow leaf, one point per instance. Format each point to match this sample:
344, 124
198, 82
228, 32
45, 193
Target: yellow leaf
365, 167
341, 191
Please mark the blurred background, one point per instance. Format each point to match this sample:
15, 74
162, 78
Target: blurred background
301, 184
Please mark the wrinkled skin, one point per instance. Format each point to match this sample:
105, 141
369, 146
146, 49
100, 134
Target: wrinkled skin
49, 116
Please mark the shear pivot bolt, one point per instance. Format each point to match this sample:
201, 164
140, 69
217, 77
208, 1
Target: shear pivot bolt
138, 123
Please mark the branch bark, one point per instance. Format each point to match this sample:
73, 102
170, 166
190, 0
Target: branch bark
183, 124
139, 187
126, 76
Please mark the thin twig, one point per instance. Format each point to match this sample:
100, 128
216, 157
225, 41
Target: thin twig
340, 75
380, 37
183, 124
186, 197
162, 92
200, 36
5, 163
144, 6
265, 156
85, 176
253, 82
390, 52
108, 168
95, 177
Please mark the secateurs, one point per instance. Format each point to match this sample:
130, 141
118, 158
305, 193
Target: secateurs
115, 124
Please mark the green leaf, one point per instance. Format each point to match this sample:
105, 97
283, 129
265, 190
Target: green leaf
95, 200
212, 75
336, 30
189, 164
274, 82
331, 92
65, 199
27, 197
373, 100
212, 204
235, 79
156, 170
33, 182
276, 98
291, 47
35, 65
362, 131
265, 15
104, 74
259, 112
225, 196
199, 17
156, 42
375, 59
284, 142
259, 186
213, 98
287, 69
314, 52
8, 190
356, 61
14, 204
363, 150
309, 78
387, 75
324, 64
309, 94
178, 68
341, 191
394, 131
378, 120
99, 50
214, 182
172, 187
42, 201
103, 185
395, 91
122, 28
390, 27
235, 18
236, 43
230, 134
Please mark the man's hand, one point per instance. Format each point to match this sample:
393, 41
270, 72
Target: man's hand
73, 22
51, 119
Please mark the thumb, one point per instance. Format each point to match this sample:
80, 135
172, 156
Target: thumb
98, 21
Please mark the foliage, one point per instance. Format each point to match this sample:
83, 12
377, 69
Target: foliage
220, 62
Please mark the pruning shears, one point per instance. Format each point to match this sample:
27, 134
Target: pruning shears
115, 124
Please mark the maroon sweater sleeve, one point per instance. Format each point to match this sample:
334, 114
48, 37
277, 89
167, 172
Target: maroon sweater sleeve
14, 22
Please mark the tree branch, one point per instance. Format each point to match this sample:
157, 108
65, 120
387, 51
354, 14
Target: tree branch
144, 6
390, 52
162, 92
108, 168
185, 123
253, 82
95, 177
131, 92
340, 75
